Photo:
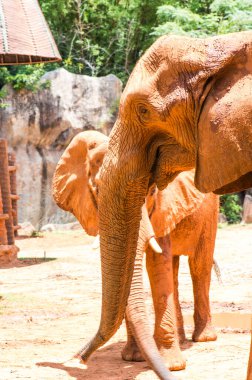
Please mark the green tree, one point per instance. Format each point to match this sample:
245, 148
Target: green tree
203, 18
108, 36
230, 207
94, 37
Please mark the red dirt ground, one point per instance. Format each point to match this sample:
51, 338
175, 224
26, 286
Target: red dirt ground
50, 308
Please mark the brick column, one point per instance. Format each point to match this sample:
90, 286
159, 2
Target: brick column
5, 188
13, 189
3, 217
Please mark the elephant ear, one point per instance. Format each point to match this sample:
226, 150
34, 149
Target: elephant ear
179, 200
224, 140
71, 188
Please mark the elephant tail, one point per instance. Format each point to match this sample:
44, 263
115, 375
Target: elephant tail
217, 271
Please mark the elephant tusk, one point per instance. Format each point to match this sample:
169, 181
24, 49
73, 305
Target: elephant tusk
149, 233
96, 243
155, 246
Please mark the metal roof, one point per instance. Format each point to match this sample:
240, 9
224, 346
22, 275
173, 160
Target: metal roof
25, 37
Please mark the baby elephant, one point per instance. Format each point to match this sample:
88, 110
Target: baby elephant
181, 217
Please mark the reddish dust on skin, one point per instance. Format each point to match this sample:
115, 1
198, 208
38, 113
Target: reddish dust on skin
49, 308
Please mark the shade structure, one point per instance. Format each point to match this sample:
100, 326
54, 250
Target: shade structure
25, 37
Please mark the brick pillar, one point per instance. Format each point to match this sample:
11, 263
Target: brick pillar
3, 217
5, 188
13, 189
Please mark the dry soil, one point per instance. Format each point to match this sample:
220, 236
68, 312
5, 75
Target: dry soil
50, 306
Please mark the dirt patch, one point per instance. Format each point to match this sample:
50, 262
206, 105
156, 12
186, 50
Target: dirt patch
50, 306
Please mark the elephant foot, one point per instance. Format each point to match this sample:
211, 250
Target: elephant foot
131, 352
204, 333
173, 358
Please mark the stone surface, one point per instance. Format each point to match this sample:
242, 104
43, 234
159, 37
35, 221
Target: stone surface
61, 227
26, 229
38, 126
247, 208
222, 218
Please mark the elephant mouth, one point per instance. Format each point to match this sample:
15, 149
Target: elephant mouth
93, 191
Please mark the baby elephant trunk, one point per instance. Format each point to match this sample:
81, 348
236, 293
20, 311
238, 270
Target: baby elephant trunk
135, 311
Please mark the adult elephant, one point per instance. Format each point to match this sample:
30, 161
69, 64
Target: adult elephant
187, 104
180, 213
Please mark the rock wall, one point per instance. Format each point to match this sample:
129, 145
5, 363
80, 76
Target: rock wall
247, 207
38, 126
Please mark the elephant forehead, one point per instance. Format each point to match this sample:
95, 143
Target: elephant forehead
136, 82
145, 75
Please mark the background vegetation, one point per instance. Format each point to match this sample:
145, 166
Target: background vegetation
99, 37
230, 206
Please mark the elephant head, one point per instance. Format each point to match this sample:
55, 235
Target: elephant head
75, 189
187, 104
76, 178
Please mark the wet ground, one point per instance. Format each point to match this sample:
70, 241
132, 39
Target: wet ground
50, 306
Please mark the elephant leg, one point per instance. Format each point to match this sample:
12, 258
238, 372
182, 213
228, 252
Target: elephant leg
159, 267
180, 321
200, 267
131, 351
249, 373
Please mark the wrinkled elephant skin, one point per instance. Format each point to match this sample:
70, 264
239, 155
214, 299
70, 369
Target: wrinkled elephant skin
187, 104
179, 211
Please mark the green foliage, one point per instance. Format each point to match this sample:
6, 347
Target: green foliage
36, 234
177, 21
203, 18
95, 37
3, 94
230, 207
26, 76
108, 36
102, 36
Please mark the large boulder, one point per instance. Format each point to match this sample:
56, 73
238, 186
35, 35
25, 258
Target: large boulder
247, 207
39, 125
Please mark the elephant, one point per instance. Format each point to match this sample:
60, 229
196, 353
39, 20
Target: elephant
180, 215
187, 104
249, 373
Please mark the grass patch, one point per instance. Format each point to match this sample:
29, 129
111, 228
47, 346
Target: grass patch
38, 259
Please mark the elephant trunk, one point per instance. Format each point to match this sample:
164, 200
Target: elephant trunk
137, 317
119, 239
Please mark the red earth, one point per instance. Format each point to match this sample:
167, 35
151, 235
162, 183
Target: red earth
50, 306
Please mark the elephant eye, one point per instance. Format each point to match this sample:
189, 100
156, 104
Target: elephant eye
143, 112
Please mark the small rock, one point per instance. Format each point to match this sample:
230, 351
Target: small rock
247, 209
27, 229
61, 227
222, 218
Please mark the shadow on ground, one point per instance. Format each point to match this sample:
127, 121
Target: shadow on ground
25, 262
106, 360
